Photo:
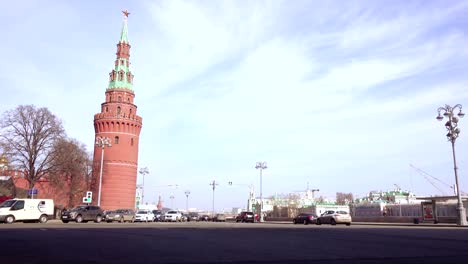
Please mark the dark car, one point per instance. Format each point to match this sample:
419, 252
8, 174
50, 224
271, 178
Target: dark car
245, 217
83, 214
193, 217
305, 218
120, 215
157, 215
205, 218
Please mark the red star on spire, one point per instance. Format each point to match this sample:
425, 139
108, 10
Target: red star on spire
126, 13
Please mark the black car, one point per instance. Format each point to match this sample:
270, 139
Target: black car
83, 214
245, 217
305, 218
157, 215
193, 217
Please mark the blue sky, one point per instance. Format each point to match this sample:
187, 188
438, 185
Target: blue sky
340, 94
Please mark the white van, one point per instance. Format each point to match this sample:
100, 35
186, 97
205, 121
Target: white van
38, 210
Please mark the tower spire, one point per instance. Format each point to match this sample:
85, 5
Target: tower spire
121, 77
124, 33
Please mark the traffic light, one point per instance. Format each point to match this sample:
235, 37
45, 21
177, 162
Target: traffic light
88, 198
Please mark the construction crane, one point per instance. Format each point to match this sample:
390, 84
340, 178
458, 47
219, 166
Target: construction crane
308, 190
429, 178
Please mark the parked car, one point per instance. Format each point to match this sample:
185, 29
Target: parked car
120, 215
144, 216
173, 216
83, 214
205, 218
26, 210
157, 215
305, 218
334, 217
245, 217
193, 217
219, 218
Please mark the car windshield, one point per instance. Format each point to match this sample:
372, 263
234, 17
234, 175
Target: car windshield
119, 211
172, 212
342, 212
249, 213
141, 212
7, 203
78, 208
193, 214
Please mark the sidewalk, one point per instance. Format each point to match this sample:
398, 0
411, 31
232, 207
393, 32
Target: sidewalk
385, 224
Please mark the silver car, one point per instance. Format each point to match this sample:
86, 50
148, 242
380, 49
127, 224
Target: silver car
334, 217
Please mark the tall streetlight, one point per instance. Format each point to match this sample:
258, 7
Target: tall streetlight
172, 201
102, 142
261, 166
143, 171
187, 193
452, 135
213, 185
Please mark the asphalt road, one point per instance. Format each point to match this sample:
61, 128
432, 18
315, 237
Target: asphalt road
230, 243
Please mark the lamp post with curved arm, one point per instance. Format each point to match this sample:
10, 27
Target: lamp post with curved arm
187, 193
261, 166
452, 135
101, 142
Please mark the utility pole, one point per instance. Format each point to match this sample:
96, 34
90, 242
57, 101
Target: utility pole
213, 185
261, 166
143, 171
187, 193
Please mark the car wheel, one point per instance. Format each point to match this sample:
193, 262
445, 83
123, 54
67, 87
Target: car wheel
294, 221
98, 219
65, 221
122, 220
79, 219
306, 222
10, 219
333, 222
43, 219
348, 224
109, 221
319, 222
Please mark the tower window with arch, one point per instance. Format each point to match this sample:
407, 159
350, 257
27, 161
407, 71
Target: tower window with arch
119, 99
107, 109
131, 142
119, 110
116, 140
130, 111
121, 75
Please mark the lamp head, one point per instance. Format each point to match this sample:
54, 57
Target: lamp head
439, 117
461, 114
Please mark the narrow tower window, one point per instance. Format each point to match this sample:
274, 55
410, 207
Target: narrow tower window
116, 140
120, 99
121, 75
119, 110
131, 142
107, 109
130, 111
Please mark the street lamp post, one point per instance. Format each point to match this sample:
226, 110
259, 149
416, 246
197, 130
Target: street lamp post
213, 185
172, 201
261, 166
452, 135
187, 193
143, 171
102, 142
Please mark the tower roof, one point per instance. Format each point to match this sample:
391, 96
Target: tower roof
124, 33
121, 77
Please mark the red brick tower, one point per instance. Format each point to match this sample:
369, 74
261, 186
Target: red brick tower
119, 123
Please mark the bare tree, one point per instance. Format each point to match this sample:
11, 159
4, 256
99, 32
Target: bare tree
71, 168
28, 134
344, 198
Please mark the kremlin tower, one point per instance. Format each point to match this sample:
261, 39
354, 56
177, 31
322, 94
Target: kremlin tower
117, 128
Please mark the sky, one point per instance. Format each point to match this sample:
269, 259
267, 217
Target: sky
340, 95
